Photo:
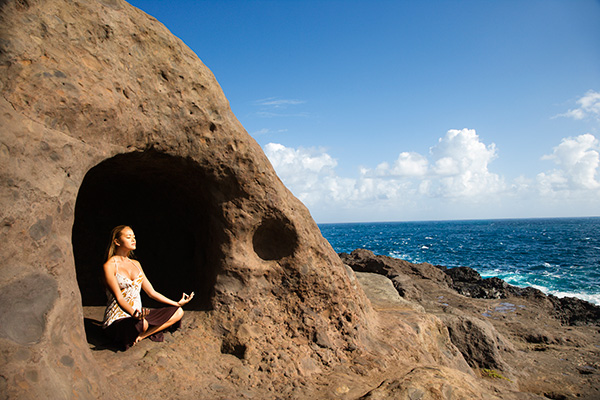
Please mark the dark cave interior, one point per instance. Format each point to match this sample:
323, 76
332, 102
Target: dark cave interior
165, 200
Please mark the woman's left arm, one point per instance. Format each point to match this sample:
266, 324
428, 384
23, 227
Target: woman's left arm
153, 294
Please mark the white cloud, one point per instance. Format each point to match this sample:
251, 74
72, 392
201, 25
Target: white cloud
454, 181
265, 131
259, 132
270, 114
407, 165
589, 106
309, 173
577, 160
461, 164
278, 103
460, 171
274, 107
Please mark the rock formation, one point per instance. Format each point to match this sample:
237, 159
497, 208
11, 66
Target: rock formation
107, 118
547, 346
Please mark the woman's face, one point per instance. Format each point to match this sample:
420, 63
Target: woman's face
126, 239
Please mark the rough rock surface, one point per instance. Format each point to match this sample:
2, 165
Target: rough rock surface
106, 118
539, 344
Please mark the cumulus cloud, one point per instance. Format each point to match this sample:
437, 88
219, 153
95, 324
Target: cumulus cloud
461, 165
407, 165
589, 106
577, 160
455, 172
459, 170
309, 173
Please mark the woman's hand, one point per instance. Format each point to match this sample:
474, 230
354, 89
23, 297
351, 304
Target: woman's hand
186, 298
137, 314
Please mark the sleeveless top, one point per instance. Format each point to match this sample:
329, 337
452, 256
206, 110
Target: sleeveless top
131, 292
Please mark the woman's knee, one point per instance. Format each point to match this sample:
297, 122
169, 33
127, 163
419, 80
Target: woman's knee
179, 313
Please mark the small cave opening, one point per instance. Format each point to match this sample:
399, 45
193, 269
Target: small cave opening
275, 238
165, 200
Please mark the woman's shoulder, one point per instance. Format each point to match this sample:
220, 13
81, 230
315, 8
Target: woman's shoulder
110, 263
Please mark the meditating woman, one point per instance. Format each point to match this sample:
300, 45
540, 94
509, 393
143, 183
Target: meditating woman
124, 319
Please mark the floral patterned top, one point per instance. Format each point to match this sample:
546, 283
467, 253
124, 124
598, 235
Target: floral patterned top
131, 292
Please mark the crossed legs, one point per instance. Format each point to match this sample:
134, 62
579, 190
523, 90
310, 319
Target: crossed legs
147, 332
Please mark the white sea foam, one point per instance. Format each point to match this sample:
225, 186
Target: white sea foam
591, 298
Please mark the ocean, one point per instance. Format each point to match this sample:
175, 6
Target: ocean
559, 256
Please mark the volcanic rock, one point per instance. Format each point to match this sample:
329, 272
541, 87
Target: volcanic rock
569, 310
519, 337
109, 119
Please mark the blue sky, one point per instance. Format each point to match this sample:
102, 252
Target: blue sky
412, 110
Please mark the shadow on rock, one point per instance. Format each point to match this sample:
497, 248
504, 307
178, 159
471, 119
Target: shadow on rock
96, 337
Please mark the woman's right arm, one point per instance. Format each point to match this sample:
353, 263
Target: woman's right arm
113, 286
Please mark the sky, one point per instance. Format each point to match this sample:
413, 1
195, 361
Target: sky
412, 110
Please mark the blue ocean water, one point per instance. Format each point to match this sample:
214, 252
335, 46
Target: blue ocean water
559, 256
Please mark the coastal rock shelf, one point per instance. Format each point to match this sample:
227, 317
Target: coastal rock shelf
542, 344
107, 118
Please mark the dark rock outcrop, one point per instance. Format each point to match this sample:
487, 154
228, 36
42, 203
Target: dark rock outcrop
398, 271
573, 311
569, 310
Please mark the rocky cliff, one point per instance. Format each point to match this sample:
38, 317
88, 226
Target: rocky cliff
107, 118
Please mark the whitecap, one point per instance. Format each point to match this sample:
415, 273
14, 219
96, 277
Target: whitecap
591, 298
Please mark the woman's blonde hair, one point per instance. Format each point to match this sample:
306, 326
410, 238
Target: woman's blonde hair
112, 247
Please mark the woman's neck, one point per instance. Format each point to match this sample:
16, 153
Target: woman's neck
122, 254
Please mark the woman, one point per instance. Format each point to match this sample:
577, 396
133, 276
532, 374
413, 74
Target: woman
124, 319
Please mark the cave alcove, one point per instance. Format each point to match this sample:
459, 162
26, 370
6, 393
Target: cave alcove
165, 200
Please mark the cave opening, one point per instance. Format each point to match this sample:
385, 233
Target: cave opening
166, 202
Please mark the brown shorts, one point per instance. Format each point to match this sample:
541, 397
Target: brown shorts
125, 331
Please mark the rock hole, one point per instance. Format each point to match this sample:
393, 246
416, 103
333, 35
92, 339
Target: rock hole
213, 127
274, 239
235, 349
22, 5
164, 199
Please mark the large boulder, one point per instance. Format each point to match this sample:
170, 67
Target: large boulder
107, 118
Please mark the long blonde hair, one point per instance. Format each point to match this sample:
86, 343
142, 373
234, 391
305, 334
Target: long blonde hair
112, 247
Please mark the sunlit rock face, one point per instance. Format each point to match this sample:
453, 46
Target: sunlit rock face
107, 119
